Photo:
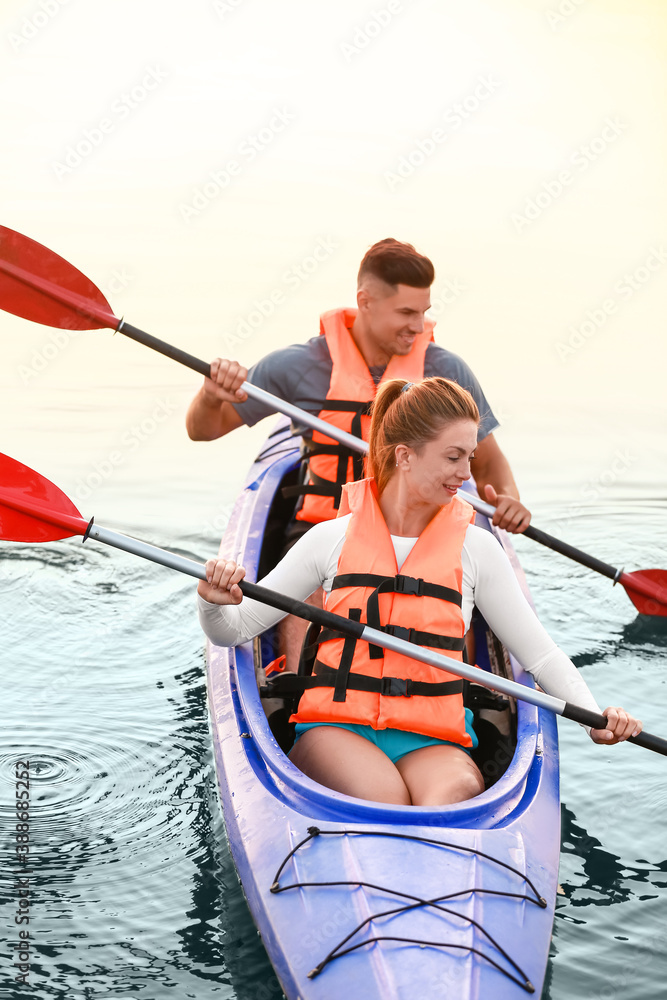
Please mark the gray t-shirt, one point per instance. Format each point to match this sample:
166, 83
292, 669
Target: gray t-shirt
301, 374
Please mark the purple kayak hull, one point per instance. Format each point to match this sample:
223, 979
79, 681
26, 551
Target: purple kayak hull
467, 917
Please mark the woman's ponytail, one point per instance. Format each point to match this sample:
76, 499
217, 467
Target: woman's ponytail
380, 452
412, 414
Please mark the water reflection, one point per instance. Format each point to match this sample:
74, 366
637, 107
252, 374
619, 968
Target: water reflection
137, 891
246, 961
605, 879
647, 633
620, 955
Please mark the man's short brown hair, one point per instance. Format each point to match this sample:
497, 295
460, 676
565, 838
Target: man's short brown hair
397, 264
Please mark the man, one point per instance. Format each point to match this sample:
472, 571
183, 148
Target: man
335, 376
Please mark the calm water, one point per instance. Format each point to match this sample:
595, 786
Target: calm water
553, 290
134, 892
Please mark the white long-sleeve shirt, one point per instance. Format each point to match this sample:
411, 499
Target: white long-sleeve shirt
488, 581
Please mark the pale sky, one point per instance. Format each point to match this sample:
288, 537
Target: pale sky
196, 159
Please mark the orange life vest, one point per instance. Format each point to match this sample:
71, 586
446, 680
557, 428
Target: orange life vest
351, 392
422, 603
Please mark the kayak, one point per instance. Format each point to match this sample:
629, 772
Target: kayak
363, 899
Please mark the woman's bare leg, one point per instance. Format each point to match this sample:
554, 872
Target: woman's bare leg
440, 775
348, 763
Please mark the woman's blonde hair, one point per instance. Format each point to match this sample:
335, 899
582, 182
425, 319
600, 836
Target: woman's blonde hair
412, 414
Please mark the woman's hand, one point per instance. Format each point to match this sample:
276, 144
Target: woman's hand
620, 725
222, 582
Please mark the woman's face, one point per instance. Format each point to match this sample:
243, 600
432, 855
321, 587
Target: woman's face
434, 472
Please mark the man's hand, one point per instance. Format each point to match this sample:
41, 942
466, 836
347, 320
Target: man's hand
210, 414
510, 513
224, 385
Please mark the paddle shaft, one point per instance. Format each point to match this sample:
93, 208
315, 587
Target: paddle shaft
558, 546
634, 583
358, 630
274, 402
302, 417
89, 303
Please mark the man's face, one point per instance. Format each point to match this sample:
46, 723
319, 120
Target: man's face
392, 319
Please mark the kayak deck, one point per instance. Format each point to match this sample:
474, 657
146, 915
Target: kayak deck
394, 901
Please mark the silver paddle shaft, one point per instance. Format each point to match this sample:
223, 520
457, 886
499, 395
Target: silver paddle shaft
349, 440
371, 635
358, 631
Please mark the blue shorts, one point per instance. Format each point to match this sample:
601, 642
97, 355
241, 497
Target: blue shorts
395, 743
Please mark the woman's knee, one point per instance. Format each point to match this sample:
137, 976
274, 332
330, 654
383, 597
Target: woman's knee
471, 782
455, 778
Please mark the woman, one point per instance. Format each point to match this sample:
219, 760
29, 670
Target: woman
402, 552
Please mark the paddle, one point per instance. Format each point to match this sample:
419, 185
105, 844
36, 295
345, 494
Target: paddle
33, 509
37, 284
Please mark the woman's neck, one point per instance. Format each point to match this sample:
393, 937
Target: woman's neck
404, 514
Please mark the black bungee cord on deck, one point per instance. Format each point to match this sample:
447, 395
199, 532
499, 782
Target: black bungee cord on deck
338, 951
268, 451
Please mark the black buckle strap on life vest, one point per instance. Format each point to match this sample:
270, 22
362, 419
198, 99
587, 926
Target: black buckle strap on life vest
343, 672
355, 429
312, 489
286, 685
311, 644
318, 486
431, 639
398, 584
401, 584
358, 410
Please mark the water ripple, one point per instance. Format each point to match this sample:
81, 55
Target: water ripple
100, 800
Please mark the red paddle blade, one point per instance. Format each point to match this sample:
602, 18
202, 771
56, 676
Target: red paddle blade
647, 589
37, 284
33, 509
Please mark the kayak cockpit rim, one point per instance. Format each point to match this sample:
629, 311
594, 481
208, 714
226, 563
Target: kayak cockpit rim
496, 805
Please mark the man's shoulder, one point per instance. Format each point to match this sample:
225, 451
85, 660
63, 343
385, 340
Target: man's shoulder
446, 364
316, 347
312, 351
439, 361
299, 373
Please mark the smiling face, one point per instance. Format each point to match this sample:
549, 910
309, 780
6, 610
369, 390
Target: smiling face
433, 473
391, 317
